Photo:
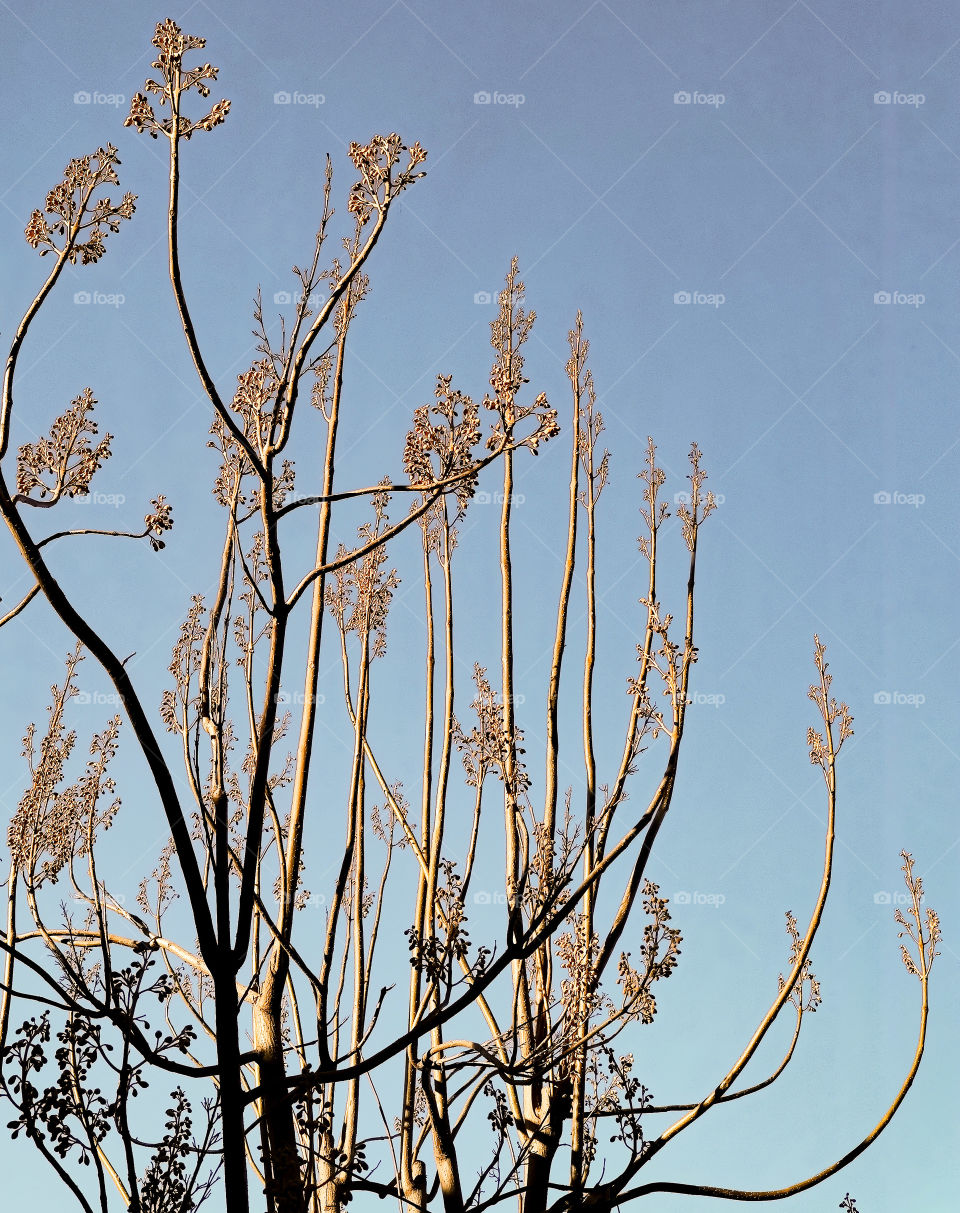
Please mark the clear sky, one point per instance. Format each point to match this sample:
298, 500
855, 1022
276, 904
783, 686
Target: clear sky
756, 205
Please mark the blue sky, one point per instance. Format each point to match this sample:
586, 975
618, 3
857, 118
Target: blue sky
755, 205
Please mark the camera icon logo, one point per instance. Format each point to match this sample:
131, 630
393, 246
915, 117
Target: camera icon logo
481, 98
281, 98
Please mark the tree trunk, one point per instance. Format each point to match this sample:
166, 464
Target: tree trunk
284, 1165
415, 1188
231, 1093
546, 1139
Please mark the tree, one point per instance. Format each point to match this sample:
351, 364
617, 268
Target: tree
323, 1083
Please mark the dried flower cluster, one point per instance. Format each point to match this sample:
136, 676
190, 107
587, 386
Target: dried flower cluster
175, 80
72, 206
379, 184
63, 464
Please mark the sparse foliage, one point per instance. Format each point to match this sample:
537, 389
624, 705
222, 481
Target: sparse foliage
322, 1080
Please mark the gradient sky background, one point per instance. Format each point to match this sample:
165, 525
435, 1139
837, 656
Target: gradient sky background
801, 199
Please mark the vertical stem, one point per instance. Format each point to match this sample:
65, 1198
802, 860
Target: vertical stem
574, 370
582, 1026
509, 716
311, 674
444, 1149
6, 994
411, 1169
227, 1027
356, 807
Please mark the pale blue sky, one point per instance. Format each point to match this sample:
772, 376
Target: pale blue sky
812, 172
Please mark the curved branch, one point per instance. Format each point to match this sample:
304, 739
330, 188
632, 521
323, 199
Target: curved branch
185, 318
358, 553
824, 752
803, 1184
149, 746
291, 388
651, 1109
92, 531
24, 602
6, 408
444, 483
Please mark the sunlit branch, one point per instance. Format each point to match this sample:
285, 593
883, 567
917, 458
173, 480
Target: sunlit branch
24, 602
